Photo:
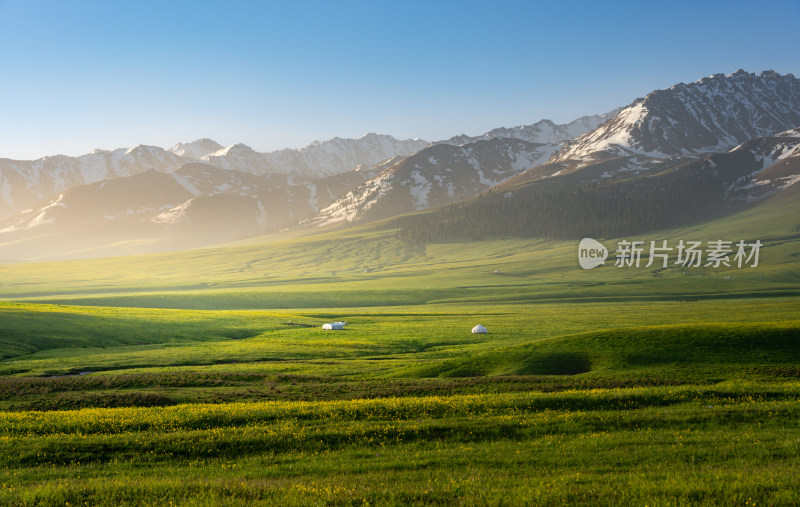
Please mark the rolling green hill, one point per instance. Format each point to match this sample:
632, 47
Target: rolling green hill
371, 266
679, 350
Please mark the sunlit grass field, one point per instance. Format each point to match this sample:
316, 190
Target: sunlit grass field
204, 377
730, 444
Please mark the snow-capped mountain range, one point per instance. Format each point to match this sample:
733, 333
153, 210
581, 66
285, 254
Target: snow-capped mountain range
460, 167
139, 196
317, 159
438, 174
24, 184
737, 131
541, 132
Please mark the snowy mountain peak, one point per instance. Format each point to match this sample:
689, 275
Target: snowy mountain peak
144, 150
771, 74
712, 114
232, 150
134, 149
196, 149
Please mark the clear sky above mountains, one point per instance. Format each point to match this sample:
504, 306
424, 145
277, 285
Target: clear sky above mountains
91, 74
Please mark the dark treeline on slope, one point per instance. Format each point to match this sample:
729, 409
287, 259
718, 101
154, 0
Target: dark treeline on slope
562, 210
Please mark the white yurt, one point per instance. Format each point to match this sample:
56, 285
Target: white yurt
479, 329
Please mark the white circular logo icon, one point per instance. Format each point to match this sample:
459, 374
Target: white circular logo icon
591, 253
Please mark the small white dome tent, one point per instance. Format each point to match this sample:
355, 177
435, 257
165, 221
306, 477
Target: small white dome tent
479, 329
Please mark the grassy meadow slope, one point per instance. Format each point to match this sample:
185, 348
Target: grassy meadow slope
727, 445
203, 377
259, 305
369, 266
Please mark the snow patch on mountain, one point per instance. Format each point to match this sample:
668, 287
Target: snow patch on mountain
175, 215
419, 186
41, 217
312, 196
186, 182
350, 206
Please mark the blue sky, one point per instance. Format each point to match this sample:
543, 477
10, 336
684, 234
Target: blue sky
81, 75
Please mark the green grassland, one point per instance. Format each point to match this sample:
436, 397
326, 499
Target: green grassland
204, 378
730, 445
370, 267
